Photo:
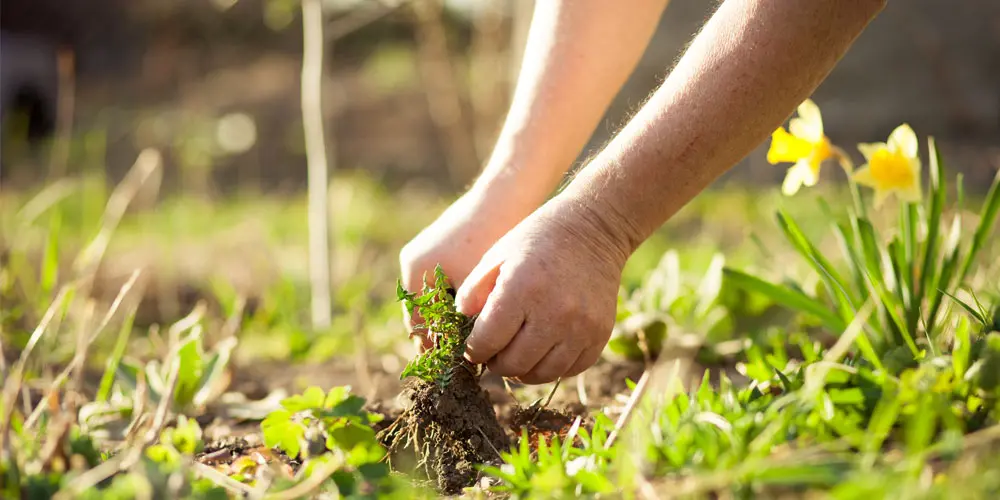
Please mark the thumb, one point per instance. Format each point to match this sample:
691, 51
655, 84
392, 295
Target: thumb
472, 295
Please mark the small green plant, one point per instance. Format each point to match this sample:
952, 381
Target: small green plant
332, 429
447, 329
185, 438
314, 422
559, 468
199, 372
668, 301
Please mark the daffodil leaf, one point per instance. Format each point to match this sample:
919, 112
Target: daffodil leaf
831, 278
987, 218
931, 243
788, 298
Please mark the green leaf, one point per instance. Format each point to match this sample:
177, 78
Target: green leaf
987, 218
920, 426
279, 430
943, 279
191, 369
854, 261
938, 191
978, 315
788, 298
831, 278
961, 348
897, 258
213, 371
801, 474
111, 368
311, 399
348, 435
883, 420
870, 249
50, 261
351, 406
710, 286
594, 483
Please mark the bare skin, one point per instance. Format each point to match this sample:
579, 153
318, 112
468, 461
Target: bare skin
568, 78
546, 290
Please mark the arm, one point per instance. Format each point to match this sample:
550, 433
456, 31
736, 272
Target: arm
578, 55
754, 62
570, 73
546, 292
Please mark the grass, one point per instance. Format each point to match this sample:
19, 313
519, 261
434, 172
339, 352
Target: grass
796, 347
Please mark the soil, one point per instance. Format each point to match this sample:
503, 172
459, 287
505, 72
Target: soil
445, 432
434, 434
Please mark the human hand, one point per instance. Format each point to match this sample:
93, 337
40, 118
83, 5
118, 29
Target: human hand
546, 294
457, 241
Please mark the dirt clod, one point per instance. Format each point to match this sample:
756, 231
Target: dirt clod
445, 432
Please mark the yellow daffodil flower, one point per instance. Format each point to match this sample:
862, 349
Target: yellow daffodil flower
804, 145
893, 167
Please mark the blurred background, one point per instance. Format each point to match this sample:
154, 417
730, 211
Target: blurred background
414, 93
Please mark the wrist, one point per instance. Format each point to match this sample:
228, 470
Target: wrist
601, 224
521, 172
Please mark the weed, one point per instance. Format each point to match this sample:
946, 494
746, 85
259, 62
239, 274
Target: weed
447, 329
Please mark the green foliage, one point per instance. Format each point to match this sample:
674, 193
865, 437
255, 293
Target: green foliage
199, 373
669, 300
559, 469
906, 275
332, 430
314, 422
447, 328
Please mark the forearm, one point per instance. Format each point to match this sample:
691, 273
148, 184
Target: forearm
754, 61
578, 55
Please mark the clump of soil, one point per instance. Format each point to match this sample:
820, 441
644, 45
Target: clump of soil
540, 419
446, 431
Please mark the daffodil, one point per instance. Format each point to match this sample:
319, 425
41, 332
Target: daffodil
893, 166
804, 145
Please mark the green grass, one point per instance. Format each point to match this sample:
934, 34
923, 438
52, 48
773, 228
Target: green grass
866, 356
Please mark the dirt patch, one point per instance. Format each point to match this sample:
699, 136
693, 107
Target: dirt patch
444, 433
540, 419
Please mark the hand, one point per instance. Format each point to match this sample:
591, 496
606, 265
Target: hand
546, 294
457, 240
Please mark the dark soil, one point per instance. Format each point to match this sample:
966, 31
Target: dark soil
540, 419
445, 433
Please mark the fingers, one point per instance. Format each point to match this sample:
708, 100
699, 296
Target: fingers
555, 364
471, 297
498, 324
523, 353
587, 358
500, 314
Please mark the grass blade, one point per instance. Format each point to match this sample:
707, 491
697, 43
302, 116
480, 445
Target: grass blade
831, 278
788, 298
987, 217
971, 310
943, 281
111, 368
938, 192
50, 261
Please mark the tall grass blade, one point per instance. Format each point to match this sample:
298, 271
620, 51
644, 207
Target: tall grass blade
148, 163
831, 278
987, 218
111, 367
978, 315
930, 249
952, 251
50, 261
788, 298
